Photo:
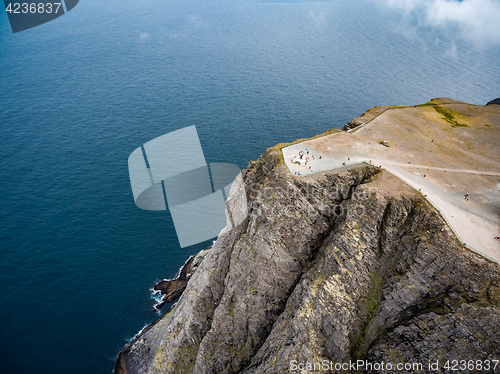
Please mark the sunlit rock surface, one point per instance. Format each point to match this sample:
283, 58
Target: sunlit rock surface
340, 265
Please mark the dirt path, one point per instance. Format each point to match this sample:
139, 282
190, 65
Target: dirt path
466, 171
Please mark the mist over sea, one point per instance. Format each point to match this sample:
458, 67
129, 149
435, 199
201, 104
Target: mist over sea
79, 94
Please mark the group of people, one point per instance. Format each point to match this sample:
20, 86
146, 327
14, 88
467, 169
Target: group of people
348, 159
305, 159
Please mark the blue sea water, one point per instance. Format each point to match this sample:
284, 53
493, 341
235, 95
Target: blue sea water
79, 94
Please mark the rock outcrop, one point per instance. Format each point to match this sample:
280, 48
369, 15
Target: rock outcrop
365, 117
343, 265
171, 289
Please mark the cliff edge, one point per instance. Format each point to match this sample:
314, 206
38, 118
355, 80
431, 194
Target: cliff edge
344, 264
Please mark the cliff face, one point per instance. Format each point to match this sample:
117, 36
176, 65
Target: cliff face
347, 264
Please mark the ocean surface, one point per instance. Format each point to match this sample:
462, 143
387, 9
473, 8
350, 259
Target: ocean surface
79, 94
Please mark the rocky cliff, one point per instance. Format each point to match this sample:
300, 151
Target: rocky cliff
350, 264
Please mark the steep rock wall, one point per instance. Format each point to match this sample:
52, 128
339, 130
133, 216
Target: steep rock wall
342, 265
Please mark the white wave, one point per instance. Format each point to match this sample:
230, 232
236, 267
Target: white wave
139, 333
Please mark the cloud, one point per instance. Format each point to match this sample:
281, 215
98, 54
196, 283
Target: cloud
145, 35
475, 20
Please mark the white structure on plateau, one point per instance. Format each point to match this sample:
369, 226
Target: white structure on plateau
299, 160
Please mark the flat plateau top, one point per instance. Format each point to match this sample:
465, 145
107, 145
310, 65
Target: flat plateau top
444, 149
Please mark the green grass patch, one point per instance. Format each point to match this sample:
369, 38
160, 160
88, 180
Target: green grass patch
327, 132
429, 103
358, 346
451, 116
374, 294
434, 102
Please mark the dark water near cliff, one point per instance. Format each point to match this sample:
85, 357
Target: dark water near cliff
79, 94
